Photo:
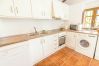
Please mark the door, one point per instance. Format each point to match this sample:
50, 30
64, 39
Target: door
22, 8
6, 8
36, 51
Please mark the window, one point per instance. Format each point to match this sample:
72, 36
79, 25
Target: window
97, 19
91, 18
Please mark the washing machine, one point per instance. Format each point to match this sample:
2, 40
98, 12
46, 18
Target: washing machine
85, 44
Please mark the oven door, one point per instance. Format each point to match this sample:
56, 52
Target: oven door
62, 40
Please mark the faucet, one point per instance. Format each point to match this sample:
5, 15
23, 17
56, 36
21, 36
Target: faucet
35, 30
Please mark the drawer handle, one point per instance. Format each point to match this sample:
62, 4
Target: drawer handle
91, 36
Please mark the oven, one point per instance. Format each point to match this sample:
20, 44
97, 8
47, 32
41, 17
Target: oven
62, 40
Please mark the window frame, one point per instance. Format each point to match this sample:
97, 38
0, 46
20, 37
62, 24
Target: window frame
93, 16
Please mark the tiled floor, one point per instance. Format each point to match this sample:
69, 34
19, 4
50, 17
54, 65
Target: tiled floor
68, 57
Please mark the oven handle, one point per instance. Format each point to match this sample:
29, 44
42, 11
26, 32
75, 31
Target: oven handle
62, 36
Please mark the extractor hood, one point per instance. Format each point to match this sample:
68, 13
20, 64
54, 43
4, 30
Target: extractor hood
63, 1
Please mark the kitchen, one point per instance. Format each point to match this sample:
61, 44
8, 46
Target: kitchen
49, 33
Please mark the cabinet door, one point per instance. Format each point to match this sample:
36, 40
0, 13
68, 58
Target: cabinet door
22, 8
15, 55
36, 51
6, 8
65, 11
41, 9
36, 8
71, 40
57, 9
60, 10
50, 44
47, 9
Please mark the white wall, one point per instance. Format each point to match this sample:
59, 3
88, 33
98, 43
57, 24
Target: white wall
77, 9
16, 26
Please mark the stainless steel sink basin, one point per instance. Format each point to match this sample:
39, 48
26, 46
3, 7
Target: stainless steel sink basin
33, 34
44, 32
39, 33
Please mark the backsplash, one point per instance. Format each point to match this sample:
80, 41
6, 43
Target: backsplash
18, 26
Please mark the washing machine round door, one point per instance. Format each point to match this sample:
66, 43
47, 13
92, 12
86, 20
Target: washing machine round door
84, 43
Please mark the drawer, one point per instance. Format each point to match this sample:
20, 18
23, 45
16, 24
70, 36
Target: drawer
13, 50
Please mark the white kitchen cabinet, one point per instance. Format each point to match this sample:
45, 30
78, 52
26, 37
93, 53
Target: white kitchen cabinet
15, 8
6, 8
50, 44
22, 8
41, 9
36, 51
60, 10
14, 55
71, 40
65, 11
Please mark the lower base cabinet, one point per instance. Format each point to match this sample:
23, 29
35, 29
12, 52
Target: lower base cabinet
30, 52
50, 44
41, 48
14, 55
71, 40
35, 51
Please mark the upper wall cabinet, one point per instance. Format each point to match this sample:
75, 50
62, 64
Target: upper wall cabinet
65, 11
35, 9
6, 8
22, 8
41, 9
60, 10
10, 8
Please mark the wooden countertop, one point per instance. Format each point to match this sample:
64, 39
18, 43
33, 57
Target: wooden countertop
84, 31
25, 37
4, 41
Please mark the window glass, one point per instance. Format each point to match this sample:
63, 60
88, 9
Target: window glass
87, 25
97, 12
97, 21
87, 22
89, 13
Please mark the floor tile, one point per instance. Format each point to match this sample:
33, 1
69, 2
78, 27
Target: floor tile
68, 57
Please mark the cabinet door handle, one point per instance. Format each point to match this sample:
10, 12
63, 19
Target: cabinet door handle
44, 41
11, 9
42, 14
17, 10
91, 36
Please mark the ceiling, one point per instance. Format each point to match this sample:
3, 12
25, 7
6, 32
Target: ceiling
73, 1
70, 2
